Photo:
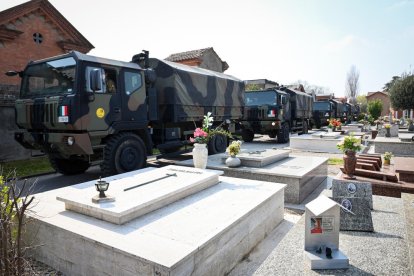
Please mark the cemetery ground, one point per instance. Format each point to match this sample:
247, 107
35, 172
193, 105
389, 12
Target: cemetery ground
252, 262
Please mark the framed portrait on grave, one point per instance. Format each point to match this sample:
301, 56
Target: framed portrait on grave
320, 225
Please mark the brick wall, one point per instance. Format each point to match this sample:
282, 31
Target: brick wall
385, 102
15, 54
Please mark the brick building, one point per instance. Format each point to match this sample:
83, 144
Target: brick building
204, 58
31, 31
384, 98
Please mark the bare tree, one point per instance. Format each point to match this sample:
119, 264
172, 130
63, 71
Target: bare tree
352, 84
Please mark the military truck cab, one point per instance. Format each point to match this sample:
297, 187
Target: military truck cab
322, 112
338, 110
275, 112
72, 105
81, 109
348, 114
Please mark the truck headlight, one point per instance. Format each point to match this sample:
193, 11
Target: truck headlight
71, 140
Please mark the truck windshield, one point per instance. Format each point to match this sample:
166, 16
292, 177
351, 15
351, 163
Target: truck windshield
260, 98
50, 78
325, 106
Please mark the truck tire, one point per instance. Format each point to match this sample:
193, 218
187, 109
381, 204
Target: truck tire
68, 166
247, 135
217, 144
123, 153
283, 135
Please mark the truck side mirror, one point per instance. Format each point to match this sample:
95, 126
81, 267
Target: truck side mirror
11, 73
284, 100
95, 79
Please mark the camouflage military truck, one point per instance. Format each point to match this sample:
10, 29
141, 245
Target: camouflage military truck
81, 109
356, 110
339, 110
325, 110
322, 112
347, 115
276, 112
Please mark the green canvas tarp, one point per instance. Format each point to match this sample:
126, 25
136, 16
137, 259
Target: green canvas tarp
187, 93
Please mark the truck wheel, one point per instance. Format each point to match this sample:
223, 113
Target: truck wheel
217, 144
68, 166
283, 135
247, 135
123, 153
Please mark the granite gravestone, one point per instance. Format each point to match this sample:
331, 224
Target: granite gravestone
356, 201
393, 131
352, 188
355, 214
322, 216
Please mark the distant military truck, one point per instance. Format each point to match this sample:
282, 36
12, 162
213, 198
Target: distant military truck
328, 109
351, 112
356, 110
276, 112
338, 111
81, 109
322, 112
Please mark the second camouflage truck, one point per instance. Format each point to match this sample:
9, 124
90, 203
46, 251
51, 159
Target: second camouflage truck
81, 109
276, 112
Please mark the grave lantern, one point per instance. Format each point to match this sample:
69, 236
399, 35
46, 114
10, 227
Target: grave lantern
102, 186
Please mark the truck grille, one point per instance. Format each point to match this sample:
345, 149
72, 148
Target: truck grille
42, 114
255, 114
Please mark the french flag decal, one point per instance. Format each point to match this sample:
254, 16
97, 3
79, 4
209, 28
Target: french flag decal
271, 113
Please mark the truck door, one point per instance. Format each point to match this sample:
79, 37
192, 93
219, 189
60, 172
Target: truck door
134, 105
104, 109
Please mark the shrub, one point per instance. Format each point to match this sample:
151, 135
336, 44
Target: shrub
375, 108
13, 207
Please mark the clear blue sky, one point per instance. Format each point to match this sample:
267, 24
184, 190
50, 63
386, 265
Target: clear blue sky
285, 41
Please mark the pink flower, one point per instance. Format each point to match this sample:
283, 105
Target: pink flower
192, 140
199, 133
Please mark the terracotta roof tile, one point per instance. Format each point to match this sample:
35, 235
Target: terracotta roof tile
187, 55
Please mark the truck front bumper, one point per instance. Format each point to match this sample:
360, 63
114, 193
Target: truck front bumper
262, 127
64, 143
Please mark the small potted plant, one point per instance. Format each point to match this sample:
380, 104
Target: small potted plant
349, 146
233, 149
334, 124
387, 158
330, 125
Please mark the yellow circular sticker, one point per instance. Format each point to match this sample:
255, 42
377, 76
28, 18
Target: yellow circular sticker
100, 112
